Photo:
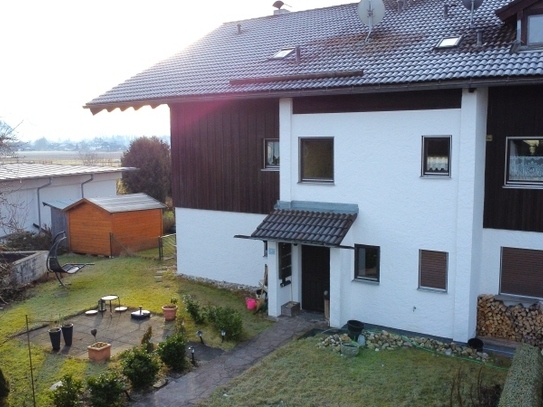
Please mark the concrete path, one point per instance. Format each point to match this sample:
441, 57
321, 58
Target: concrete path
200, 383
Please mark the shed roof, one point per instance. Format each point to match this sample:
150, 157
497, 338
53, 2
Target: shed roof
122, 203
21, 171
234, 60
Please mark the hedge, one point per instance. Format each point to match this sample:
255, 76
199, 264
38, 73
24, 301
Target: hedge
524, 380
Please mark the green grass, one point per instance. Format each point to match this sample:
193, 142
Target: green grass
300, 374
133, 280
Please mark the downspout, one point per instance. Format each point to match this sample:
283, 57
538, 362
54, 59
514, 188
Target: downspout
83, 184
39, 202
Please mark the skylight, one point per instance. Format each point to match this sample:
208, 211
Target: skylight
449, 42
282, 53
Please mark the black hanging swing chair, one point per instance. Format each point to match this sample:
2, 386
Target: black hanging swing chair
54, 266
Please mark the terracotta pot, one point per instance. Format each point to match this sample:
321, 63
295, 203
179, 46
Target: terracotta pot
99, 351
170, 312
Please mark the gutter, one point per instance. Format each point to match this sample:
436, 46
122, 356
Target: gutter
39, 201
83, 184
293, 93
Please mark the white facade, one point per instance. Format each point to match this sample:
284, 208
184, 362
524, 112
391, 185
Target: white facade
27, 196
377, 166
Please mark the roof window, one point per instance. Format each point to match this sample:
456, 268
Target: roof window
449, 42
282, 53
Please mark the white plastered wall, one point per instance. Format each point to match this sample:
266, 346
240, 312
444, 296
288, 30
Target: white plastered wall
24, 195
206, 246
377, 165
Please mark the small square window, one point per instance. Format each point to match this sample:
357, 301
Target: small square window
271, 153
448, 42
524, 157
366, 262
436, 153
282, 53
433, 269
535, 29
317, 159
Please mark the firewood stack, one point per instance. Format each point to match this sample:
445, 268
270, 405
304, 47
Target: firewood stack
515, 323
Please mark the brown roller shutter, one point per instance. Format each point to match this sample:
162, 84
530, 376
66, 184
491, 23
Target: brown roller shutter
522, 272
433, 269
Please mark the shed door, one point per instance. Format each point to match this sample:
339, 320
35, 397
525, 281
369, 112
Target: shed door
315, 277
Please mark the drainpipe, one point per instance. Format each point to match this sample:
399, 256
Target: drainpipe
39, 202
83, 184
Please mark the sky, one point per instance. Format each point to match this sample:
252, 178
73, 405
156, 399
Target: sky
58, 55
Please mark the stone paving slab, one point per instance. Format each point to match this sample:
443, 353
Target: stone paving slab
117, 328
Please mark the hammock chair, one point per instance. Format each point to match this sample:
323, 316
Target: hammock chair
54, 266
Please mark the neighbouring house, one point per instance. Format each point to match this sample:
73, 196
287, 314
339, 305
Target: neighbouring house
398, 168
25, 188
109, 226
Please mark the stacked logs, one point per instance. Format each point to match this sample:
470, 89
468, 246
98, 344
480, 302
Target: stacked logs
516, 323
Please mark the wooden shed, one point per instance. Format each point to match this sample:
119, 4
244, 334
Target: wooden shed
111, 225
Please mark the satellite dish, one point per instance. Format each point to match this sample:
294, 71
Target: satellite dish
371, 12
472, 3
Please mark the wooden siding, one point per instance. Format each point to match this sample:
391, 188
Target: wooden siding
513, 111
379, 102
90, 227
218, 155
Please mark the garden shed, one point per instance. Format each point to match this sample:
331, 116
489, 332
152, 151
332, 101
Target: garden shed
110, 226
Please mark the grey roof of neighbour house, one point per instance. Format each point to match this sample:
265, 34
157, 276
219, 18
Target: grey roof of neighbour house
308, 227
60, 204
10, 172
122, 203
400, 54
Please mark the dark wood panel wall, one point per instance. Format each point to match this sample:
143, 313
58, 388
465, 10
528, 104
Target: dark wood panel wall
218, 155
379, 102
513, 111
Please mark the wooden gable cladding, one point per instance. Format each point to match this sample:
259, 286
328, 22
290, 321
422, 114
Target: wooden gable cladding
512, 111
218, 155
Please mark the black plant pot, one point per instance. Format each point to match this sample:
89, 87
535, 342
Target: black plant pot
54, 335
67, 333
355, 328
476, 343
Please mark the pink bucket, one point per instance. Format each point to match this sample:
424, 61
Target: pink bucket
251, 303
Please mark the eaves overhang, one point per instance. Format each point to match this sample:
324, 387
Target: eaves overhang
470, 83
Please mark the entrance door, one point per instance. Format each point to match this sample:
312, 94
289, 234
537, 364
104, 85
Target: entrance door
315, 277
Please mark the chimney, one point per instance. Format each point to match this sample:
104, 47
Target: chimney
278, 4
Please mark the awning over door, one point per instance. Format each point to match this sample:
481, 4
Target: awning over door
312, 227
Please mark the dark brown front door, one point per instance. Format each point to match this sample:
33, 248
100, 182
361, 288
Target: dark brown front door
315, 277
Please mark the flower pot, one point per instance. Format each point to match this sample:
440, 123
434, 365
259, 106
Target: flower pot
99, 351
67, 333
170, 312
355, 328
349, 349
54, 335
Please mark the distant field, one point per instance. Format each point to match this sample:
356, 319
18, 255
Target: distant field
111, 158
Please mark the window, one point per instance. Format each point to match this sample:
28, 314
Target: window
282, 53
433, 269
524, 157
522, 272
366, 265
285, 263
534, 29
436, 153
317, 159
271, 154
448, 42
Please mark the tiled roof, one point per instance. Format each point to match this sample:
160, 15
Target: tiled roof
334, 56
308, 227
122, 203
9, 172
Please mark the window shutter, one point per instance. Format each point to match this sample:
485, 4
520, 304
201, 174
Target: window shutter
522, 272
433, 269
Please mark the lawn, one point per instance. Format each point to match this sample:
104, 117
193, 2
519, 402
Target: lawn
302, 374
135, 280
